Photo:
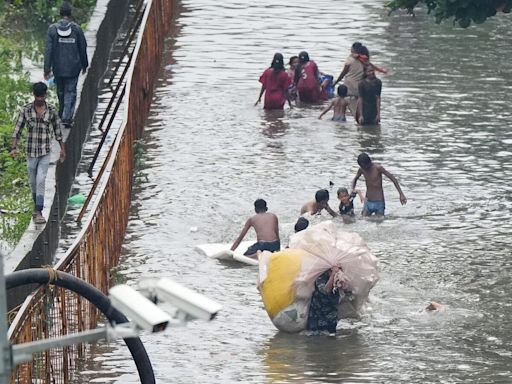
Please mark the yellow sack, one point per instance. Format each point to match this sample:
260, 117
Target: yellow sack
287, 278
282, 270
281, 288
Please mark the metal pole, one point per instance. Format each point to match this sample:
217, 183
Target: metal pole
41, 276
112, 117
23, 352
99, 300
5, 349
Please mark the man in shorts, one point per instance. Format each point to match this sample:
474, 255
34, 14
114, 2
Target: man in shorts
373, 172
266, 226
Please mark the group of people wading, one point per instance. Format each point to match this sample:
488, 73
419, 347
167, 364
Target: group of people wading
304, 83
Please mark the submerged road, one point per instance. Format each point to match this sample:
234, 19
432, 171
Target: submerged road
210, 153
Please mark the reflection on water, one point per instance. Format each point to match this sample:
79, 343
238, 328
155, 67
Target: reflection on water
274, 124
210, 153
369, 139
308, 359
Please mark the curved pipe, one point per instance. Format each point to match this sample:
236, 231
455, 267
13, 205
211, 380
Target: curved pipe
96, 297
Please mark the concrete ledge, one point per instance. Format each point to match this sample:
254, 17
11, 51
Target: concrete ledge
39, 242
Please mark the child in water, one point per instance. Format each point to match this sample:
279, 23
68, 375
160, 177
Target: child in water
339, 104
372, 172
316, 206
347, 201
292, 89
266, 226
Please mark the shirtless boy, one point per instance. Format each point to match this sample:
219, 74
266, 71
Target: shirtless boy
374, 193
266, 226
321, 202
339, 105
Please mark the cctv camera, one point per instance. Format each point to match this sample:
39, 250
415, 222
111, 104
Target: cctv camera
137, 308
191, 303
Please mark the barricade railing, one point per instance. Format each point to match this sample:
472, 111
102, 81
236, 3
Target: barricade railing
139, 15
52, 311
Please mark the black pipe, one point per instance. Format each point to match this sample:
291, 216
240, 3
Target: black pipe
96, 297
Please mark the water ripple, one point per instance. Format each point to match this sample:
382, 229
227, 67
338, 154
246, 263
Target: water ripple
445, 135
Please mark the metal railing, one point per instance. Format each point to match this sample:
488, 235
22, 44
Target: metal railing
52, 311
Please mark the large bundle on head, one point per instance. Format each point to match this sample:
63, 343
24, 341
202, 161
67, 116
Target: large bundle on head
287, 278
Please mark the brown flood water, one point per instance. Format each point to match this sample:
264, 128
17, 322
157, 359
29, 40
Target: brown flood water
210, 153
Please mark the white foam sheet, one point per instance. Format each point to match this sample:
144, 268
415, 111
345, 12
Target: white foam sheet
223, 252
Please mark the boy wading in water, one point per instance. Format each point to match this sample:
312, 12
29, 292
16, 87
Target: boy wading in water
339, 104
321, 202
266, 226
374, 193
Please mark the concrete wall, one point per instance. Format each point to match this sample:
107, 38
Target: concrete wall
39, 243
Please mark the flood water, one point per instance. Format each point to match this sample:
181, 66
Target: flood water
445, 134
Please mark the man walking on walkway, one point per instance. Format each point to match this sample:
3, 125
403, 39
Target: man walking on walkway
65, 55
42, 124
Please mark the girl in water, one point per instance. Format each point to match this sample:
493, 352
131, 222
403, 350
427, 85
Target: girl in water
293, 63
275, 83
307, 80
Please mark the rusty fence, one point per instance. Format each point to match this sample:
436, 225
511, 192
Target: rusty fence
52, 311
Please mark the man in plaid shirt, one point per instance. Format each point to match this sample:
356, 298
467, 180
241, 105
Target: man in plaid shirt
42, 122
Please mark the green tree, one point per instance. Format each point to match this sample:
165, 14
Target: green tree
36, 15
23, 24
463, 12
15, 196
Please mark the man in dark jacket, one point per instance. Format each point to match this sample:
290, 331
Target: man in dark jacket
65, 55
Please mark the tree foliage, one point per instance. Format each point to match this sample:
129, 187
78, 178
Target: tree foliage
43, 12
15, 193
463, 12
23, 24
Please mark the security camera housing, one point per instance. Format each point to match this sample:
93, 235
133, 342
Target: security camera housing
193, 304
136, 307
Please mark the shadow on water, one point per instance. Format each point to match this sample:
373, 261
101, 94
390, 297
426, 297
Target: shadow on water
306, 359
369, 137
